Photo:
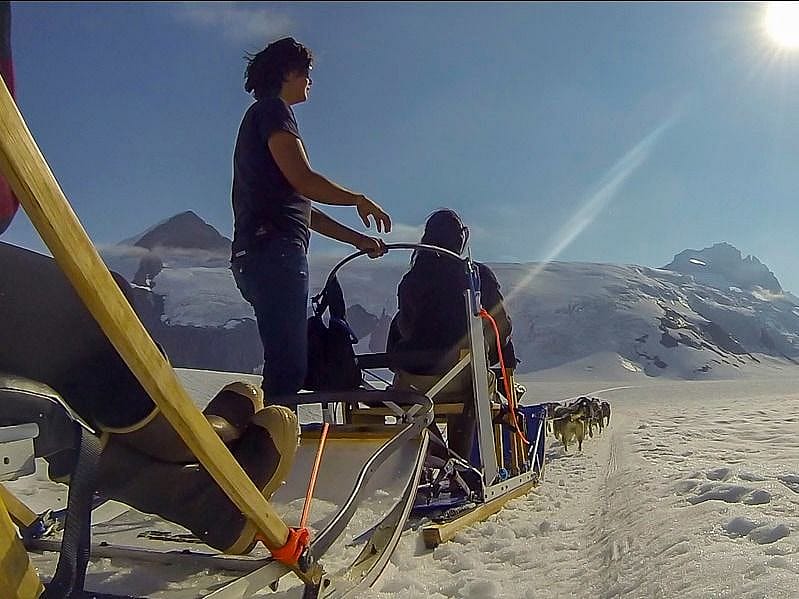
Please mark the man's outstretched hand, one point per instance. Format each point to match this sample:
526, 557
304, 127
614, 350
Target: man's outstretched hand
367, 208
373, 246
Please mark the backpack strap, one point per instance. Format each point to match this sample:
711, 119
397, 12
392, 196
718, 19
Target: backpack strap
331, 297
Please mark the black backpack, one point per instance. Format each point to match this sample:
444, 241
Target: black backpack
331, 357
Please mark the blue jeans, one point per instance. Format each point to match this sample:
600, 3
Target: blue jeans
274, 280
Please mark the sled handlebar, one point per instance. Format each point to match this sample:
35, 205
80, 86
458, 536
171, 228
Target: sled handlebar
396, 246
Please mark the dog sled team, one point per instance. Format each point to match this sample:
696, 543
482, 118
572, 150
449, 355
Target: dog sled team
576, 420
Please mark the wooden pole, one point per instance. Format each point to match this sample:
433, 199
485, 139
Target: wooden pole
435, 534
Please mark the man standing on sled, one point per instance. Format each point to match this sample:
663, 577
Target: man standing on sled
273, 186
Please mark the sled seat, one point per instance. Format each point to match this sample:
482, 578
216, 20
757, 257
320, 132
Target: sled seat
377, 415
448, 401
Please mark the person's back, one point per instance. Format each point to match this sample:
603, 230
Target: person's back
430, 328
265, 205
431, 313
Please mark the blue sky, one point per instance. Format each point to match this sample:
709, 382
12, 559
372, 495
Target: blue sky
603, 132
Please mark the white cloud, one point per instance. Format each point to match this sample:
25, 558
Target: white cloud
402, 233
235, 21
117, 251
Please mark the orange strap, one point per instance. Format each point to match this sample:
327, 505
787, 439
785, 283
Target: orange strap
511, 402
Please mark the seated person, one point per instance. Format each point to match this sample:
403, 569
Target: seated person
51, 338
432, 318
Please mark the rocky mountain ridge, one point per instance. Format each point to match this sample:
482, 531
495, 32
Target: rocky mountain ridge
708, 313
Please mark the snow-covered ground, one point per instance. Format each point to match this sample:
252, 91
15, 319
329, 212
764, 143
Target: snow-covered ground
692, 491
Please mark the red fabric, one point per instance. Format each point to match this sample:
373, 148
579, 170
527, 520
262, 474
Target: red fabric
8, 203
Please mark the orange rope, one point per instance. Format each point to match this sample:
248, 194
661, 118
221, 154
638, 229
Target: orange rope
511, 402
312, 482
300, 537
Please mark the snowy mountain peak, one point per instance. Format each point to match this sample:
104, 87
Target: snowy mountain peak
185, 231
710, 313
722, 266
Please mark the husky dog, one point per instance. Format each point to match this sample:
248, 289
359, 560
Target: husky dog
550, 408
569, 423
605, 407
592, 411
596, 414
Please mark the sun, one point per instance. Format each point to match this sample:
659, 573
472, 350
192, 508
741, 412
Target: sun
782, 23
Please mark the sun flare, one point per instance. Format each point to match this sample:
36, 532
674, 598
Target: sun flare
782, 23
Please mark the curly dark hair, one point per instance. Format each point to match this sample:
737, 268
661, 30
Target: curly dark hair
267, 69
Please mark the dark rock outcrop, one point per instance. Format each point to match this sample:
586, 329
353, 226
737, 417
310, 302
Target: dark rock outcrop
361, 320
722, 266
186, 231
149, 267
379, 338
234, 347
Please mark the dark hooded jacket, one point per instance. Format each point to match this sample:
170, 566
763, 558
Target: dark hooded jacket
432, 315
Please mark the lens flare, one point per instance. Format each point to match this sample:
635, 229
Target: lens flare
782, 23
593, 206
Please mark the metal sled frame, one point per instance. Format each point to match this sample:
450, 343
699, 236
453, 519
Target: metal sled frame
495, 487
416, 414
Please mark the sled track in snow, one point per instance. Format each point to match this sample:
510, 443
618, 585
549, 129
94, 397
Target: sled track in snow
615, 497
618, 506
627, 561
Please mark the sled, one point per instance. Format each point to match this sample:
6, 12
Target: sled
376, 474
36, 188
391, 446
507, 457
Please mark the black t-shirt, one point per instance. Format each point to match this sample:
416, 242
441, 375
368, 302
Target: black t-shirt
265, 205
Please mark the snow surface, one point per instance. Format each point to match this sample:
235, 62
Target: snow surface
692, 491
